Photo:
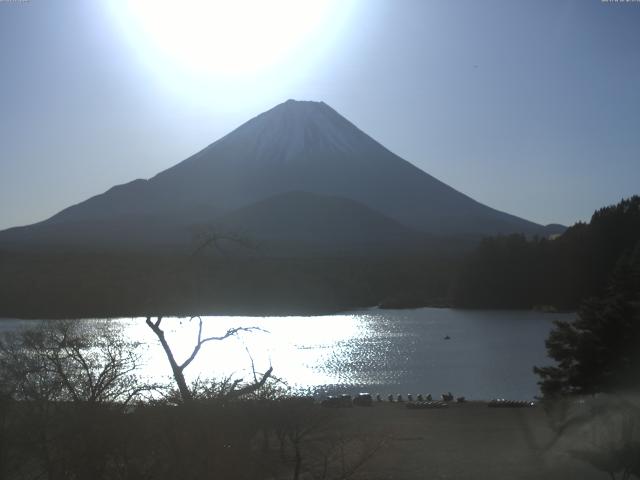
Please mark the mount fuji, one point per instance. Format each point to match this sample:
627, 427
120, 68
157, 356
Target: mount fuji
299, 172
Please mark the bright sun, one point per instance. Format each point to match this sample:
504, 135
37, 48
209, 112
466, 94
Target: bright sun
230, 38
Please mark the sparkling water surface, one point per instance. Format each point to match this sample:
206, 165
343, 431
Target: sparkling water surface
489, 353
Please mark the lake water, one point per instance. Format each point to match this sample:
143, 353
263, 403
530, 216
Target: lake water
489, 354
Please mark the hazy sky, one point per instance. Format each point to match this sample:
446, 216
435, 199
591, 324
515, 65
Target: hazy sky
529, 107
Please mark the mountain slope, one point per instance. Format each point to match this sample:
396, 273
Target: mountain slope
296, 146
306, 222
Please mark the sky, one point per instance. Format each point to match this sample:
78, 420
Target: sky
530, 107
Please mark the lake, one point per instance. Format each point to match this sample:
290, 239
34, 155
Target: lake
488, 354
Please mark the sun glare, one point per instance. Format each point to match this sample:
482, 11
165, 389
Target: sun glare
230, 38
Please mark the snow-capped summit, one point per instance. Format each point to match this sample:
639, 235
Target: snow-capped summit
293, 130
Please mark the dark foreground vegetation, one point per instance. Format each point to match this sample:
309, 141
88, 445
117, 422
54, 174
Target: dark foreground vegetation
250, 439
72, 406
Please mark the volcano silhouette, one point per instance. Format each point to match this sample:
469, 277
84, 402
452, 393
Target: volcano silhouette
299, 172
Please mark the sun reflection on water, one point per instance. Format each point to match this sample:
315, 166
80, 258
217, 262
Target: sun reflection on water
303, 350
486, 354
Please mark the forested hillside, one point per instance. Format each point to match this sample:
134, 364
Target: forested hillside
514, 272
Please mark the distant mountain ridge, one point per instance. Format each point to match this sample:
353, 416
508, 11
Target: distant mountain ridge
298, 146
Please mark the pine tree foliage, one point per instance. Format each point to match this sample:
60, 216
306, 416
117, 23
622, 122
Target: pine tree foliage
599, 351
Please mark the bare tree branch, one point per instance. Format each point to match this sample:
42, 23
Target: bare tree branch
178, 369
253, 366
210, 238
252, 387
206, 238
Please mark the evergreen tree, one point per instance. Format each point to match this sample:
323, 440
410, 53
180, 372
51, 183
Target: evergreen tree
600, 350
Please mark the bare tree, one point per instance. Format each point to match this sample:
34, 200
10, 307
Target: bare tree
316, 442
207, 237
342, 457
177, 369
65, 386
63, 360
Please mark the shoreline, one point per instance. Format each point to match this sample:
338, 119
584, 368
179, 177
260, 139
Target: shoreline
273, 313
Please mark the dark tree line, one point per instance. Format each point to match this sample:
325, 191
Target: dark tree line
502, 272
95, 285
516, 272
